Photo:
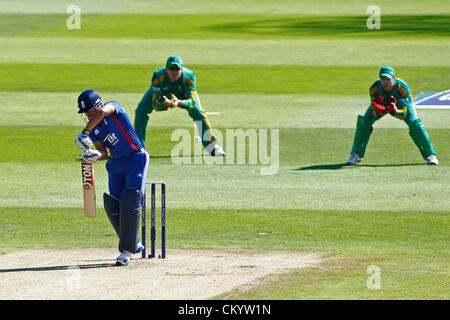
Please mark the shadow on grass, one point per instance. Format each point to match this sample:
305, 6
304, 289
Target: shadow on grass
155, 157
53, 268
178, 156
394, 25
338, 166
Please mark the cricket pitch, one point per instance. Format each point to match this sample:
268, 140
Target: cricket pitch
74, 273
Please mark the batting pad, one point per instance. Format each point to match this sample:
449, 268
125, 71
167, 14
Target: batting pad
112, 208
130, 207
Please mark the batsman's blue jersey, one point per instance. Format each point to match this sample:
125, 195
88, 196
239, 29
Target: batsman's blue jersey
117, 133
128, 165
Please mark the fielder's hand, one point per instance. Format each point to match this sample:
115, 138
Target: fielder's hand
168, 103
82, 140
91, 155
175, 101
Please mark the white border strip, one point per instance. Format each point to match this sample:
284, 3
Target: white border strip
431, 107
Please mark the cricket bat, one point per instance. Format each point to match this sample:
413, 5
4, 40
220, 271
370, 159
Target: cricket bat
87, 174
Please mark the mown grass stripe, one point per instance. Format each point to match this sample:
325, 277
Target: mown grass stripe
194, 228
51, 144
424, 52
342, 80
226, 26
189, 7
306, 112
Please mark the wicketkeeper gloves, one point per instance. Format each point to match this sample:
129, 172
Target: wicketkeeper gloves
377, 104
391, 108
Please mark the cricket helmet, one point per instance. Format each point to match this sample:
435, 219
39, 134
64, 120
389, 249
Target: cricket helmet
87, 100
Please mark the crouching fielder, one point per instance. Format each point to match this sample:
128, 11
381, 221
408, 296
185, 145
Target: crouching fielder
109, 127
391, 95
177, 83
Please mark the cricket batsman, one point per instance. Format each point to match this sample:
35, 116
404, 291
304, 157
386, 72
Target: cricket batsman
391, 95
175, 86
109, 127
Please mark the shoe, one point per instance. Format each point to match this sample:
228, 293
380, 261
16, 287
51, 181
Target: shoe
218, 152
354, 159
139, 247
432, 160
124, 258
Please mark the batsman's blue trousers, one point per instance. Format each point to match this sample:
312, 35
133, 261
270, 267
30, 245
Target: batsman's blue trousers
128, 172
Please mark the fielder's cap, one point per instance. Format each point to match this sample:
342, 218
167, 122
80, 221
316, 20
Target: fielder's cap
174, 61
387, 72
87, 100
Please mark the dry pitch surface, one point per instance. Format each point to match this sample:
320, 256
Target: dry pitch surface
184, 274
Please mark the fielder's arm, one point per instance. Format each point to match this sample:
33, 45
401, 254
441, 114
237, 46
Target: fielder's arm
190, 93
159, 101
190, 96
403, 103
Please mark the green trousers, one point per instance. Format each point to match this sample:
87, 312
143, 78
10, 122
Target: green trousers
417, 132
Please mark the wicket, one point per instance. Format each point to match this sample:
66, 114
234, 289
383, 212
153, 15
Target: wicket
153, 222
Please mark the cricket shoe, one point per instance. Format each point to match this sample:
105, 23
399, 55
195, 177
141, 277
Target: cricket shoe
218, 152
354, 159
139, 245
124, 258
432, 160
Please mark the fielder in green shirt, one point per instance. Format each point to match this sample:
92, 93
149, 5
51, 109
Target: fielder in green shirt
174, 86
391, 95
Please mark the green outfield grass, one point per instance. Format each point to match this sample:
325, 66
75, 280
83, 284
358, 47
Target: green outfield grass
214, 26
297, 52
263, 7
303, 67
222, 79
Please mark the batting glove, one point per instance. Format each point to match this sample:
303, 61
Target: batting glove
82, 140
91, 155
